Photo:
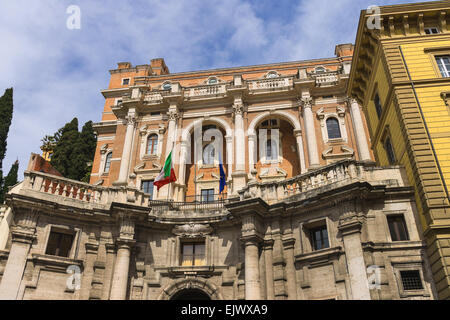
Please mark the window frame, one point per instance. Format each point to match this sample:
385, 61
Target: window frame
154, 145
106, 170
126, 84
194, 244
74, 232
432, 28
447, 70
338, 127
152, 188
378, 106
208, 194
312, 236
405, 226
390, 152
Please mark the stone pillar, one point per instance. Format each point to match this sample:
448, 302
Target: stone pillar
291, 279
310, 133
171, 131
182, 169
268, 248
360, 133
240, 175
22, 236
252, 281
252, 157
229, 141
350, 228
301, 155
88, 270
125, 242
127, 146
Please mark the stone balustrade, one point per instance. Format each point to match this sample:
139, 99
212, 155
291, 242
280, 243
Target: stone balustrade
205, 91
343, 172
67, 189
270, 84
327, 79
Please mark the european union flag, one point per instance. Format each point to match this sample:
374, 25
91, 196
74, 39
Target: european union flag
223, 180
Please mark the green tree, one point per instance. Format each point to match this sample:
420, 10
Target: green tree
6, 113
11, 179
72, 150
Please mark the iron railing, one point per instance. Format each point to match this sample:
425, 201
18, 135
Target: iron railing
210, 203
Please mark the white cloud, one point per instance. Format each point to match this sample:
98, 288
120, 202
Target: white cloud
57, 73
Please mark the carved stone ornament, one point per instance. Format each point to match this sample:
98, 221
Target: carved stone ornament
173, 115
307, 102
192, 230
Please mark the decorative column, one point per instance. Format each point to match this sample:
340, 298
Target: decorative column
251, 152
268, 248
126, 153
239, 176
88, 270
251, 240
22, 236
124, 244
301, 155
291, 280
310, 133
229, 142
252, 281
350, 228
360, 133
182, 170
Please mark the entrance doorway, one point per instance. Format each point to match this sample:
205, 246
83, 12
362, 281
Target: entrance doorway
191, 294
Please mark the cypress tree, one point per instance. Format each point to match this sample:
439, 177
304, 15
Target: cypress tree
72, 150
11, 178
6, 112
64, 152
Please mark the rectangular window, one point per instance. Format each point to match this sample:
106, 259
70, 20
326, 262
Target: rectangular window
431, 30
443, 63
397, 228
390, 151
125, 81
207, 195
147, 187
193, 254
378, 107
59, 244
411, 280
319, 238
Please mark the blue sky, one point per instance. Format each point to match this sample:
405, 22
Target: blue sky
58, 73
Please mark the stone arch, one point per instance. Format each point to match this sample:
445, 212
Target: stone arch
186, 139
184, 284
282, 114
186, 134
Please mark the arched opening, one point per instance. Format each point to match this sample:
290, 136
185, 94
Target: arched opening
152, 144
190, 294
334, 132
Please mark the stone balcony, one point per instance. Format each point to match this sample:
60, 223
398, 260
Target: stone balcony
330, 177
144, 93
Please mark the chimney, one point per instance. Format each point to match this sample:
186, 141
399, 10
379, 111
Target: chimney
159, 66
344, 50
123, 65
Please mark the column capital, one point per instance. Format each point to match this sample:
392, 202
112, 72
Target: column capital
173, 115
122, 243
249, 240
268, 244
306, 102
288, 243
23, 235
349, 224
298, 133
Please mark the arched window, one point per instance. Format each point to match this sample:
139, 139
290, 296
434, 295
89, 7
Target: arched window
272, 74
271, 150
320, 70
167, 86
334, 132
212, 80
209, 154
108, 162
152, 144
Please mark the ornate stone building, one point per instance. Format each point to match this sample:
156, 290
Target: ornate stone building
305, 214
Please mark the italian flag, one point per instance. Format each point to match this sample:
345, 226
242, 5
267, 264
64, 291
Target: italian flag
167, 174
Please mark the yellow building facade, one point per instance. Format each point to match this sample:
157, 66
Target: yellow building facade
401, 77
